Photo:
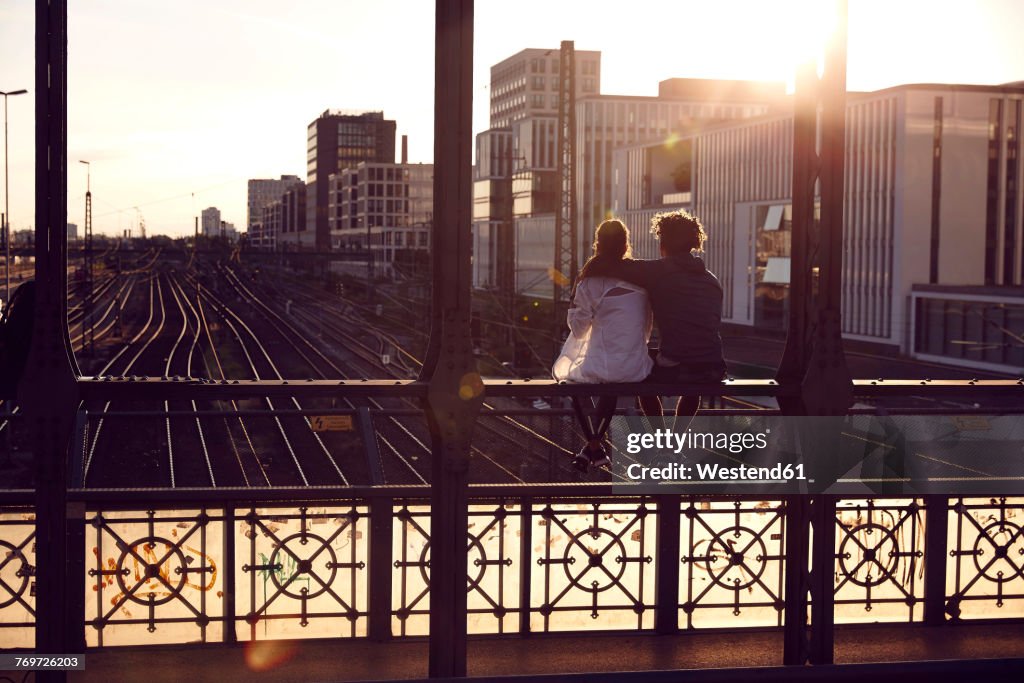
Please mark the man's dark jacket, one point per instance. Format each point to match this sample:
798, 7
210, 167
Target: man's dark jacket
686, 300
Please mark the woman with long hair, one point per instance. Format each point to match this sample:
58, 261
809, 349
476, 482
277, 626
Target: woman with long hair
609, 326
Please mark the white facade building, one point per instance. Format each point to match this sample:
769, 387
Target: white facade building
209, 222
934, 245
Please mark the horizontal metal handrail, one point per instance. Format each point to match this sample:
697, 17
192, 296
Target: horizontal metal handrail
537, 412
114, 388
299, 494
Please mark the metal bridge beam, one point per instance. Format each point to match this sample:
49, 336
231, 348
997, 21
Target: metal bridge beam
455, 390
813, 361
48, 390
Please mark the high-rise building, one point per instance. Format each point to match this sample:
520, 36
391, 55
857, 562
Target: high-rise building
263, 192
524, 100
209, 222
526, 84
336, 141
386, 206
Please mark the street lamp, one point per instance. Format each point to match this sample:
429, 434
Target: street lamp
7, 205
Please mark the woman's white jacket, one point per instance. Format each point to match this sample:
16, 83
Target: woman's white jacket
609, 326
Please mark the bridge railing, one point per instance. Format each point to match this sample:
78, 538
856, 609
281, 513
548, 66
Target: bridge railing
184, 566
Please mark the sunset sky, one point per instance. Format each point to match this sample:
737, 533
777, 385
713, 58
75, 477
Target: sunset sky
177, 104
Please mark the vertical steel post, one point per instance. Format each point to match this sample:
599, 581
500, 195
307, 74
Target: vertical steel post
666, 587
525, 563
74, 573
793, 365
455, 392
794, 648
814, 359
935, 553
48, 389
229, 560
370, 446
822, 593
381, 539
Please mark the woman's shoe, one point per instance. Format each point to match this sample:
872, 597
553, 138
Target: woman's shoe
581, 461
599, 457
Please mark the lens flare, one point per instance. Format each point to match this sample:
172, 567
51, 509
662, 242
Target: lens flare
264, 655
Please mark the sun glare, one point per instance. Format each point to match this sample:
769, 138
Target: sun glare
740, 39
810, 27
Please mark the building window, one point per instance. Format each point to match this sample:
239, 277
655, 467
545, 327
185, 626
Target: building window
771, 275
588, 85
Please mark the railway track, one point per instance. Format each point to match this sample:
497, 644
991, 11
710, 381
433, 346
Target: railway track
511, 441
222, 322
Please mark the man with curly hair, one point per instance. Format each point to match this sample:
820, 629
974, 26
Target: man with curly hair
686, 299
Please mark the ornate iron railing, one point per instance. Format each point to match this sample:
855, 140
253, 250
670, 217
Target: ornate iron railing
541, 559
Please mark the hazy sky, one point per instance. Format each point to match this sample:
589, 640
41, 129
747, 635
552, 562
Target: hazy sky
176, 104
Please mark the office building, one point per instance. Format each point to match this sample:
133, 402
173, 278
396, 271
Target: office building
293, 219
526, 84
262, 193
336, 141
386, 206
271, 218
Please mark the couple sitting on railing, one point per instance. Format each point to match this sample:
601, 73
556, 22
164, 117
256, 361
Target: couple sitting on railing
610, 320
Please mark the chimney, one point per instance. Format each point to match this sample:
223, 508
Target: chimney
405, 149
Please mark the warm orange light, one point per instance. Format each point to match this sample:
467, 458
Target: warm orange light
264, 655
